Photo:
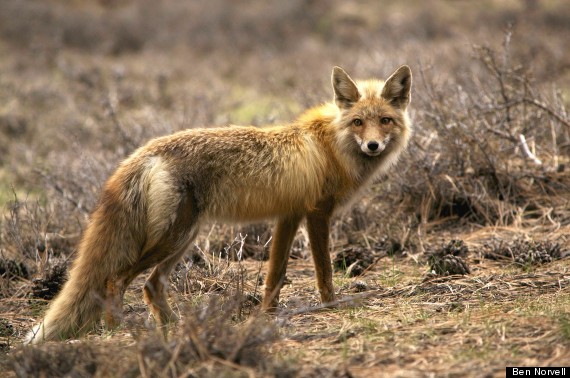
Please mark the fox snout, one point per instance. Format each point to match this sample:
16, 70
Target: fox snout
373, 147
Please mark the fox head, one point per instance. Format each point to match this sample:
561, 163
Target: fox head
372, 111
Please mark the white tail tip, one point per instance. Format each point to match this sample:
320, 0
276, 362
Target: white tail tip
36, 335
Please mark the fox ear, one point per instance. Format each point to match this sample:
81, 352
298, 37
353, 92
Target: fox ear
397, 87
345, 90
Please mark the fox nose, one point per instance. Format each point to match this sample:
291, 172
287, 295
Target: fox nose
372, 146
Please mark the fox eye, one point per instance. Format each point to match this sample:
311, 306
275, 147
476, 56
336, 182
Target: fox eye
385, 120
357, 122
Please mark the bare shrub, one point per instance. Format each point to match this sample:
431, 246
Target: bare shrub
215, 337
10, 269
26, 227
240, 242
55, 360
36, 246
210, 336
486, 149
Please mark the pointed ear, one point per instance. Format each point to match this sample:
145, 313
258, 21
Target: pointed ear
345, 90
397, 87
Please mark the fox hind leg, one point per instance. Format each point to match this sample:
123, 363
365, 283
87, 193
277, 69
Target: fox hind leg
114, 303
154, 291
156, 287
115, 293
155, 294
165, 254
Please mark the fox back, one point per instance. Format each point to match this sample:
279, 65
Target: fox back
248, 173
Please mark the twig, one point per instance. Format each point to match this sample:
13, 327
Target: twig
531, 101
112, 111
230, 364
527, 150
552, 113
51, 181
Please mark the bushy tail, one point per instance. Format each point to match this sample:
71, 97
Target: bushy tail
111, 248
74, 311
108, 248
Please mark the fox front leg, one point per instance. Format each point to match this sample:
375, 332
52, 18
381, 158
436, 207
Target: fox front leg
318, 225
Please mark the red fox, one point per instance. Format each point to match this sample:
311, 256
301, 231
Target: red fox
151, 208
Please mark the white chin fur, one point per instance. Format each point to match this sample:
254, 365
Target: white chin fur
375, 153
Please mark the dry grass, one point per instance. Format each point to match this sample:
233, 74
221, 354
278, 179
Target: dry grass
83, 84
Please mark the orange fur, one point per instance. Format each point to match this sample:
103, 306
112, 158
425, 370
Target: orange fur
152, 206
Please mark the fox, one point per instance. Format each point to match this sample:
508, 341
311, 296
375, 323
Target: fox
152, 206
